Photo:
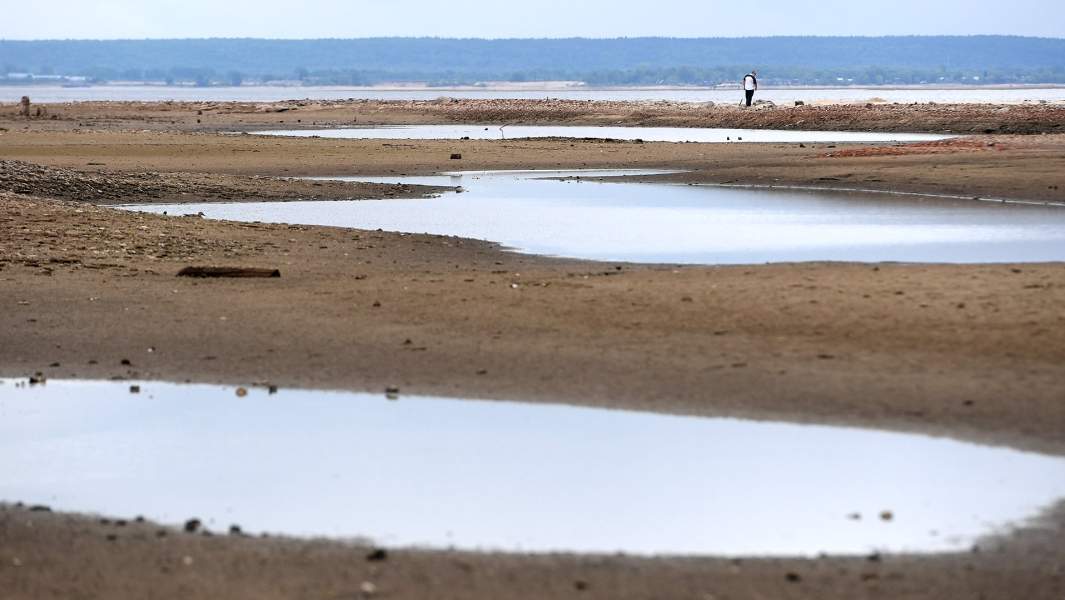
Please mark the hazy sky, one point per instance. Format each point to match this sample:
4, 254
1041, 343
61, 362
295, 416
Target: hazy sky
533, 18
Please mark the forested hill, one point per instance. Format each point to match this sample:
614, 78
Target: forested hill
969, 59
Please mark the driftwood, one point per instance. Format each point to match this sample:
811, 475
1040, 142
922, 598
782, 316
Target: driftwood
227, 272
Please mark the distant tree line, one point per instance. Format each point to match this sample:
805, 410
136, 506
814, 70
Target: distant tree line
627, 61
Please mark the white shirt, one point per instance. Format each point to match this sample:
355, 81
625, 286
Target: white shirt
748, 82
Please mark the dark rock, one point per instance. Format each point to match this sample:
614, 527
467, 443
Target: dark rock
377, 555
193, 525
456, 156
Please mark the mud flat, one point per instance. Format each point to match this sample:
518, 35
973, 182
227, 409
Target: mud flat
878, 117
966, 351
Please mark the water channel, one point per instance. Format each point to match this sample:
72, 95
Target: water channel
647, 134
536, 212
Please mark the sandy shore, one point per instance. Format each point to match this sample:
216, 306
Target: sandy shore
229, 116
60, 556
970, 351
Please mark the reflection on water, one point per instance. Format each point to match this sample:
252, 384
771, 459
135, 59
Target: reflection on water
439, 472
648, 134
41, 93
685, 224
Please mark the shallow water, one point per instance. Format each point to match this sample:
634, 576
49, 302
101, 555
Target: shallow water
275, 93
491, 475
661, 223
647, 134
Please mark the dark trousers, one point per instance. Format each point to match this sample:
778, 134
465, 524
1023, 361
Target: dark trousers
750, 96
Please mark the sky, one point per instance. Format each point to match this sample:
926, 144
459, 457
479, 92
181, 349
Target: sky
110, 19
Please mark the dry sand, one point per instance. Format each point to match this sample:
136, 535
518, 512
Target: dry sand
971, 351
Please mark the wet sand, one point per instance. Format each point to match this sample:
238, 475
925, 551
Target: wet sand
972, 351
60, 556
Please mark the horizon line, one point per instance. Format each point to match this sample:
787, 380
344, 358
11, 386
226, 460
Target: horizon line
567, 38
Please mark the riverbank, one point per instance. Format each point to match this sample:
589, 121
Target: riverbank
968, 351
48, 555
1013, 167
247, 116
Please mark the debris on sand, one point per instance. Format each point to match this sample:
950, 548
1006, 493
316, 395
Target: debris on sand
235, 272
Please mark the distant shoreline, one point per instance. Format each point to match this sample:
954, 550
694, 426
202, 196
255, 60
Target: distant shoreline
536, 87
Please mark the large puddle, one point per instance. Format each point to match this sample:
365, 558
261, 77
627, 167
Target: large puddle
491, 475
647, 134
662, 223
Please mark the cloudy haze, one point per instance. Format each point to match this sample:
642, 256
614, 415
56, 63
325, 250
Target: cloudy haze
544, 18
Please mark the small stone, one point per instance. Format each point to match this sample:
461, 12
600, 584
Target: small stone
193, 525
16, 562
377, 555
392, 393
580, 585
235, 530
187, 561
241, 392
887, 515
456, 156
134, 389
125, 362
368, 588
793, 577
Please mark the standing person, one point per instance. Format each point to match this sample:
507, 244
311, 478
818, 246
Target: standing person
750, 84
